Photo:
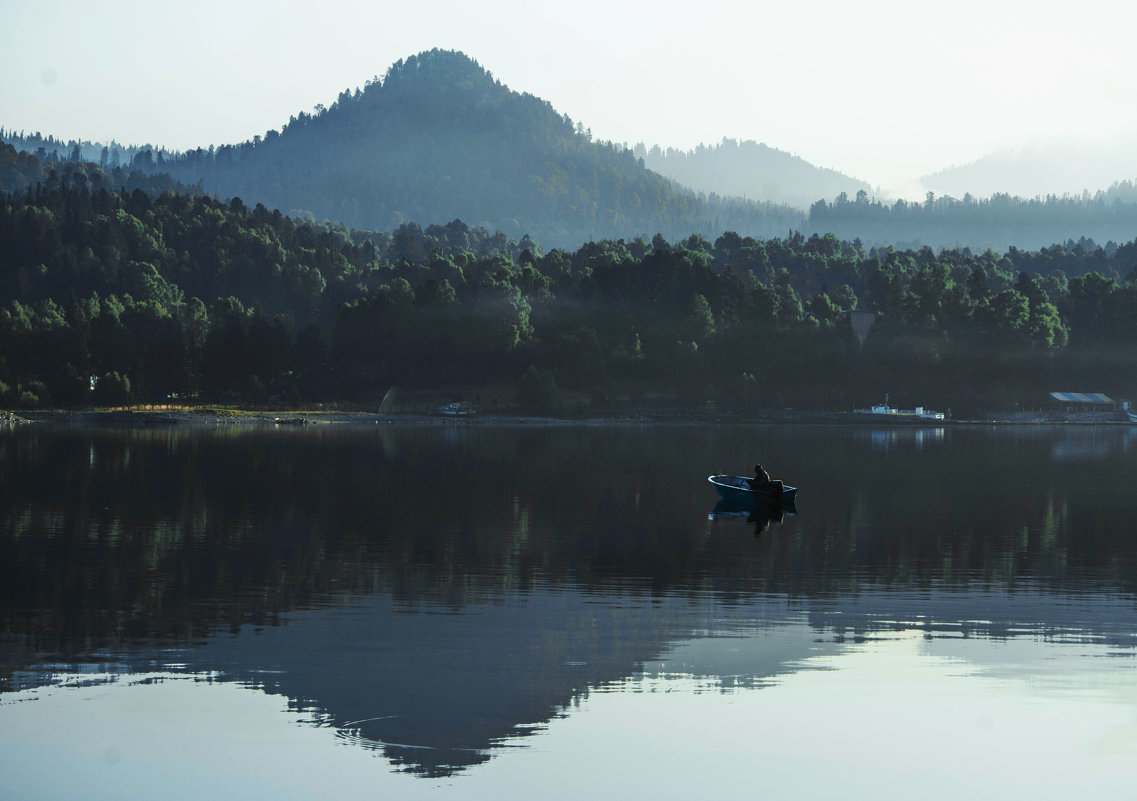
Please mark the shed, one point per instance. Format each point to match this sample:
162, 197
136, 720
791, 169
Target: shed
1083, 401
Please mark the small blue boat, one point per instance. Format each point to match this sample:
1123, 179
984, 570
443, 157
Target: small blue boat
737, 490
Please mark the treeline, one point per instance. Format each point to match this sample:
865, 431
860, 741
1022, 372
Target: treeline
50, 150
20, 170
110, 297
998, 222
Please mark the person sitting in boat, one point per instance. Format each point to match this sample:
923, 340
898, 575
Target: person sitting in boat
761, 480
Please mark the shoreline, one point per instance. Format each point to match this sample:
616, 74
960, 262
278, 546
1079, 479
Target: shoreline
215, 418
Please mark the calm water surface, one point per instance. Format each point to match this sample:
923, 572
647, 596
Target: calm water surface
565, 612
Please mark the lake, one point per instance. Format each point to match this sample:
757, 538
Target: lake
563, 611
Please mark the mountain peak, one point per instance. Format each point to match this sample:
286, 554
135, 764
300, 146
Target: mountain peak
434, 67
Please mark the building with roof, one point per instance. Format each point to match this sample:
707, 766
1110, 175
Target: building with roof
1082, 402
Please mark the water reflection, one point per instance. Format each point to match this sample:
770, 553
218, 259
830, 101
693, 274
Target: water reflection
1089, 444
905, 436
804, 714
443, 631
761, 516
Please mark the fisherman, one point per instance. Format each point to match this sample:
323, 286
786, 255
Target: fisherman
761, 478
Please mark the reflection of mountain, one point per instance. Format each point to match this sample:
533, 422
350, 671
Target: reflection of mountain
561, 560
437, 691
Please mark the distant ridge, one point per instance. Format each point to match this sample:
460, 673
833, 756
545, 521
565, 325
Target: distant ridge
750, 170
1039, 171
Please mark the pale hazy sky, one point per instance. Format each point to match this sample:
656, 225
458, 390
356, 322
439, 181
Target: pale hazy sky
885, 91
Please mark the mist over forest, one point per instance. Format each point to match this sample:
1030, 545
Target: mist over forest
1044, 170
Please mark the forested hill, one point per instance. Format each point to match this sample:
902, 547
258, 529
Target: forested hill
750, 170
438, 139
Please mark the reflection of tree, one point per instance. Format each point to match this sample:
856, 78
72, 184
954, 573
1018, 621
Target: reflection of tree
437, 691
116, 535
122, 532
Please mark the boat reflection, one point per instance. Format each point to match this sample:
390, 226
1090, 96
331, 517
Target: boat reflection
918, 438
761, 514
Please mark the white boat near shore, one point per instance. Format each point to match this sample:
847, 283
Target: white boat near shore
456, 409
884, 410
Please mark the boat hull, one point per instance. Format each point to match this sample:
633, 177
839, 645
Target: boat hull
736, 489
